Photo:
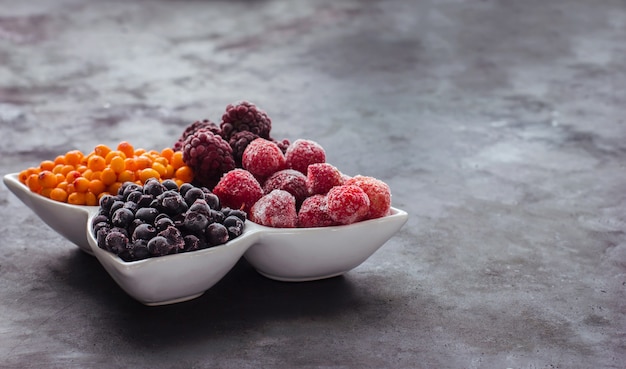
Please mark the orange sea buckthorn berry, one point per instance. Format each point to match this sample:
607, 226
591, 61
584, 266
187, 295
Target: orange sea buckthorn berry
160, 168
140, 151
113, 188
46, 192
143, 162
91, 199
58, 194
130, 164
177, 160
96, 186
70, 188
76, 198
167, 153
108, 176
169, 171
23, 176
73, 157
81, 168
147, 173
102, 150
184, 173
47, 165
62, 185
126, 176
88, 173
60, 159
113, 154
71, 176
47, 179
33, 182
67, 169
96, 163
117, 164
126, 148
81, 184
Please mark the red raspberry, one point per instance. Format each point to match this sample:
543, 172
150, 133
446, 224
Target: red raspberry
377, 191
238, 189
263, 158
289, 180
321, 177
314, 213
276, 209
302, 153
208, 155
347, 204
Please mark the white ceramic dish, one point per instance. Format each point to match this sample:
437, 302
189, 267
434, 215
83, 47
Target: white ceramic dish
305, 254
285, 254
67, 220
174, 278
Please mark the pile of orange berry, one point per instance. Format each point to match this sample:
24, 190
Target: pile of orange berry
81, 179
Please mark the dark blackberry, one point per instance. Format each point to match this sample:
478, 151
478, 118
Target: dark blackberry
209, 156
238, 142
193, 128
245, 116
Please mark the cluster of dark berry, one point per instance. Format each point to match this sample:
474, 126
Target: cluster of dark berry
159, 218
212, 150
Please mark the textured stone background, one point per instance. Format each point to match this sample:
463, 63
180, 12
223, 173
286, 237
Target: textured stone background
500, 127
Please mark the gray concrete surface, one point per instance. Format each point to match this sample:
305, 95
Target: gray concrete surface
499, 125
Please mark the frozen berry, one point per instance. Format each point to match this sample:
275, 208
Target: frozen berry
245, 116
378, 193
347, 204
314, 213
122, 218
193, 128
234, 226
171, 203
147, 215
238, 189
216, 234
289, 180
321, 177
116, 242
208, 155
282, 144
195, 222
276, 209
144, 232
263, 158
302, 153
193, 194
238, 142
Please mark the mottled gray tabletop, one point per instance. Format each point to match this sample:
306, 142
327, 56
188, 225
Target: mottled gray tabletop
500, 127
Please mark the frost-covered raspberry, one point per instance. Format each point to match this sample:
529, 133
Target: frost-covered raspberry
302, 153
193, 128
245, 116
347, 204
289, 180
208, 155
238, 189
276, 209
263, 158
321, 177
314, 213
378, 193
